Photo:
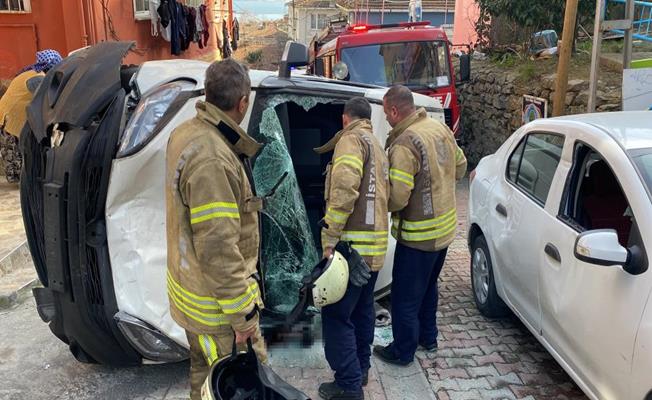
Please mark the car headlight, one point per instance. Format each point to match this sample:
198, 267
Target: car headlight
148, 341
147, 115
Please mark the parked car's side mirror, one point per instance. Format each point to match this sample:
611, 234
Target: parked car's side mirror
465, 68
601, 247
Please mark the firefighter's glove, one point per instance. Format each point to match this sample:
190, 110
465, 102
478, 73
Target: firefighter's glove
359, 271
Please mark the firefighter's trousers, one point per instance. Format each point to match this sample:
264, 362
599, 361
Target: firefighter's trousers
205, 350
348, 329
414, 299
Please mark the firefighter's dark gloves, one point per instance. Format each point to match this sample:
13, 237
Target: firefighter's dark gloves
359, 271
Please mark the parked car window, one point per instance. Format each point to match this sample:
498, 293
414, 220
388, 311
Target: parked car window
594, 198
643, 160
533, 164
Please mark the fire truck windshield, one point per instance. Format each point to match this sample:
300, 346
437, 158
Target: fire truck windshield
417, 65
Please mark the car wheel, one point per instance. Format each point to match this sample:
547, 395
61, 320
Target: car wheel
482, 281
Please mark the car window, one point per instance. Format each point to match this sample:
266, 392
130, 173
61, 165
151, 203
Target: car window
643, 161
594, 198
533, 164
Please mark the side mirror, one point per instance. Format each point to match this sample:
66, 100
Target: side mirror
294, 55
601, 247
465, 68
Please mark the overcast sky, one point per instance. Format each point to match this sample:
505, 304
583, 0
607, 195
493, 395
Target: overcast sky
260, 7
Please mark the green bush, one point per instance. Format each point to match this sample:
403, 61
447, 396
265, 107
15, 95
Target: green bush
254, 57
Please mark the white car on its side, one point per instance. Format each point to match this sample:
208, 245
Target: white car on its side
559, 232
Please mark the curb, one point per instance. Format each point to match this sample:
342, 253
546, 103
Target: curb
17, 259
8, 300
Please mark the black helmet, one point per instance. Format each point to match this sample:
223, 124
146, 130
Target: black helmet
242, 377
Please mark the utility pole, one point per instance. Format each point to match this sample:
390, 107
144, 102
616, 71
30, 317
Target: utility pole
570, 16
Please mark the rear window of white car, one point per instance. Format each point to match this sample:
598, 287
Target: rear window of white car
533, 164
643, 160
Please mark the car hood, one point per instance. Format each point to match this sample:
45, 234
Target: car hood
73, 92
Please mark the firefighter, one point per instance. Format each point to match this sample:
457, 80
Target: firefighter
425, 163
212, 224
355, 225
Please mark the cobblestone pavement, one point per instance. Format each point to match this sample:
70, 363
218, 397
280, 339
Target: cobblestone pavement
480, 358
12, 233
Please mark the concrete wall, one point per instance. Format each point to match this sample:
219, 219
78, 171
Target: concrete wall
492, 105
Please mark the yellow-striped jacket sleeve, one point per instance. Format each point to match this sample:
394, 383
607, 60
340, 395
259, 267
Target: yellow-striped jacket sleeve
345, 177
403, 167
212, 193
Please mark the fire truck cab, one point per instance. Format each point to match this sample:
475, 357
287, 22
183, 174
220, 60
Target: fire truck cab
413, 54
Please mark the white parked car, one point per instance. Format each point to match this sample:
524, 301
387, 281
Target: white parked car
559, 232
93, 198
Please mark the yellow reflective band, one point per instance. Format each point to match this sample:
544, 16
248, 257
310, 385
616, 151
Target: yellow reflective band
353, 161
237, 304
426, 235
443, 219
217, 204
336, 216
401, 176
209, 348
205, 302
210, 320
371, 250
214, 215
213, 210
364, 236
459, 154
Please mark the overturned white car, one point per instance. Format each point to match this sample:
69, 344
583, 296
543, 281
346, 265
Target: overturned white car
93, 192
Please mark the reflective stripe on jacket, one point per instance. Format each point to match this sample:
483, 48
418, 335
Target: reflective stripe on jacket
357, 189
425, 163
212, 225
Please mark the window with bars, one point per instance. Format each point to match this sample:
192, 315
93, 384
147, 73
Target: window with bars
23, 6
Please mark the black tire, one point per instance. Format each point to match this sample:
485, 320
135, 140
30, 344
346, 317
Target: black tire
482, 278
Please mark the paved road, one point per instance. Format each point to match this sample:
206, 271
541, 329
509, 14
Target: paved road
477, 359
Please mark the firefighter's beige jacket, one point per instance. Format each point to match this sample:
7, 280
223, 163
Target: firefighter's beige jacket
357, 190
212, 225
425, 162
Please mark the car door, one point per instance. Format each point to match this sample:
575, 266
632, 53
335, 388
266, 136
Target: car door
518, 208
591, 313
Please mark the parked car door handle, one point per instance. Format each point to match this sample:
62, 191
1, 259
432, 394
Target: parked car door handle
501, 210
552, 251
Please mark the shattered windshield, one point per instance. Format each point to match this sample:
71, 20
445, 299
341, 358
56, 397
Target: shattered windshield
288, 248
413, 64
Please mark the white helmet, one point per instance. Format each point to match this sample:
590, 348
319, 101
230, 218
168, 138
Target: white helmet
330, 285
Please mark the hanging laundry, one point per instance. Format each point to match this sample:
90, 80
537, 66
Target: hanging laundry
175, 36
192, 24
153, 16
164, 12
204, 17
226, 45
235, 34
183, 27
199, 28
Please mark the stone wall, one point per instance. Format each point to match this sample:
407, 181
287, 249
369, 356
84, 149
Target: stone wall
492, 104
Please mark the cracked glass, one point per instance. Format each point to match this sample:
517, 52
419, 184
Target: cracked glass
288, 249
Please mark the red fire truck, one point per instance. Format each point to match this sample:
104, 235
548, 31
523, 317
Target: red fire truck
413, 54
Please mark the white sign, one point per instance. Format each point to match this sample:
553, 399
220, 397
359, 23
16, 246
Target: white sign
637, 89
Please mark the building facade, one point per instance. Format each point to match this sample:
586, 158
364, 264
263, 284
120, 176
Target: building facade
27, 26
308, 17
